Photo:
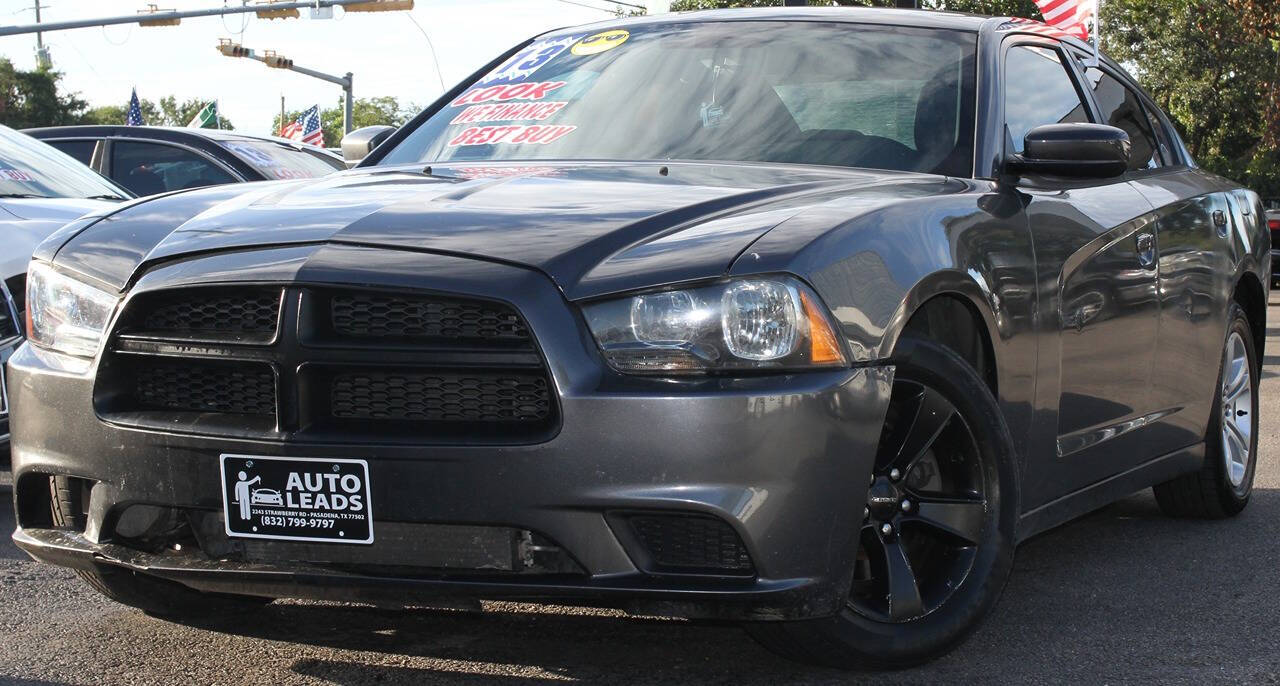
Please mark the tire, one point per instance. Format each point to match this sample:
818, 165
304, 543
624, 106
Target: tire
1217, 491
154, 596
865, 635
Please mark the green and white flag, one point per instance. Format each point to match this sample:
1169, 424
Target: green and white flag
206, 118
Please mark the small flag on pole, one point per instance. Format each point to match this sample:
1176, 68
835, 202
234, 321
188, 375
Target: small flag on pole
134, 118
306, 127
1068, 16
206, 118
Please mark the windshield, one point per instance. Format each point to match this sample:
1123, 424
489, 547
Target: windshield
280, 161
842, 94
32, 169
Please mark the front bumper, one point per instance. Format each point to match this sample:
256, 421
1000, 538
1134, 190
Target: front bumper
782, 460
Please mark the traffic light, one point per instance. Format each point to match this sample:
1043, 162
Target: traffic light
152, 9
267, 13
380, 6
230, 49
271, 59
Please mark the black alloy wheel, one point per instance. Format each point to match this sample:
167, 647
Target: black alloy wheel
936, 543
926, 508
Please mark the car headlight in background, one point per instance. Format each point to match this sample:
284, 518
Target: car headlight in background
762, 323
65, 315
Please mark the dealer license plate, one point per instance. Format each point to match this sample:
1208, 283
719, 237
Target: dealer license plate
297, 499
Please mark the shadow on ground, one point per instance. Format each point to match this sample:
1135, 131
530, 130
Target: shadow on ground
1124, 593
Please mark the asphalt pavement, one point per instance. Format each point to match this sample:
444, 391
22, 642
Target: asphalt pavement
1123, 595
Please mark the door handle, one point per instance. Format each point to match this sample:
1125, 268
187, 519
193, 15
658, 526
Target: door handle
1146, 244
1220, 222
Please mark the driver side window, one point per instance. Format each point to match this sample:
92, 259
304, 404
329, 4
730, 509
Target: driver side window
1038, 90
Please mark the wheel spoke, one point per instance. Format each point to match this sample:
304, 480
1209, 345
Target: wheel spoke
904, 594
933, 412
960, 518
1238, 443
1239, 380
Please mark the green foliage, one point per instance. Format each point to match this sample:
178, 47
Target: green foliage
31, 98
1208, 75
167, 111
364, 112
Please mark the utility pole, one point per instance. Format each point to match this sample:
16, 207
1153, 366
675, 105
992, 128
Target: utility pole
275, 61
281, 115
43, 60
159, 17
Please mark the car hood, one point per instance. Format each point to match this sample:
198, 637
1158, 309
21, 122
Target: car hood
593, 228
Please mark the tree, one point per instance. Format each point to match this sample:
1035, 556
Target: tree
1214, 74
167, 111
31, 98
365, 112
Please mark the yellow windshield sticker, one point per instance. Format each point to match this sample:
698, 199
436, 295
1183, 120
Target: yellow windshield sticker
605, 40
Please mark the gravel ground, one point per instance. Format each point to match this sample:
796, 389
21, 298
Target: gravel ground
1121, 596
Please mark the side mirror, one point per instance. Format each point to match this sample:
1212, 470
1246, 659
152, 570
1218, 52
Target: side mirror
1082, 150
359, 143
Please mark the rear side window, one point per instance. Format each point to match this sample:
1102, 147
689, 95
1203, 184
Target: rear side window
1038, 90
150, 168
81, 150
1121, 108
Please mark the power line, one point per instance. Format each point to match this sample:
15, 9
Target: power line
627, 4
434, 59
592, 7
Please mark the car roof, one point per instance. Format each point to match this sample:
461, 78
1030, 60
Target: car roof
174, 133
882, 16
852, 14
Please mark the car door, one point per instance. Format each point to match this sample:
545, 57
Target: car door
1194, 225
150, 167
1096, 271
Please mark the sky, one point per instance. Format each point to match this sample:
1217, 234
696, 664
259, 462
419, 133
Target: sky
385, 51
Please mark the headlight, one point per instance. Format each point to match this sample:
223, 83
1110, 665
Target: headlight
763, 323
66, 315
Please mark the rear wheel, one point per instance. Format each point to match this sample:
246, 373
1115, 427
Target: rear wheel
1222, 486
156, 597
936, 545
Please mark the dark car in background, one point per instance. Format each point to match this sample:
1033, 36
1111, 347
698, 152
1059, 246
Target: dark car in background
41, 189
155, 159
802, 317
1273, 223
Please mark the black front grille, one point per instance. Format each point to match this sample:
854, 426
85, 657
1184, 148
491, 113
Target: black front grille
690, 544
391, 317
238, 313
441, 397
348, 365
191, 386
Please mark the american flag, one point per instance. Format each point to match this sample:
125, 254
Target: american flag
1068, 16
134, 117
305, 128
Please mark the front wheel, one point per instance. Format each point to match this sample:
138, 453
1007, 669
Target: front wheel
937, 540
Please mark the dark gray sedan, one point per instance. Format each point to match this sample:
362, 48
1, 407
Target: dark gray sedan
158, 159
799, 317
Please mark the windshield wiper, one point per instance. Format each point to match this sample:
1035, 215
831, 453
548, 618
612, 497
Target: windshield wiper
105, 197
21, 195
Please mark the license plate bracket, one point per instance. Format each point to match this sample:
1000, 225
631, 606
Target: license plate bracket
325, 500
